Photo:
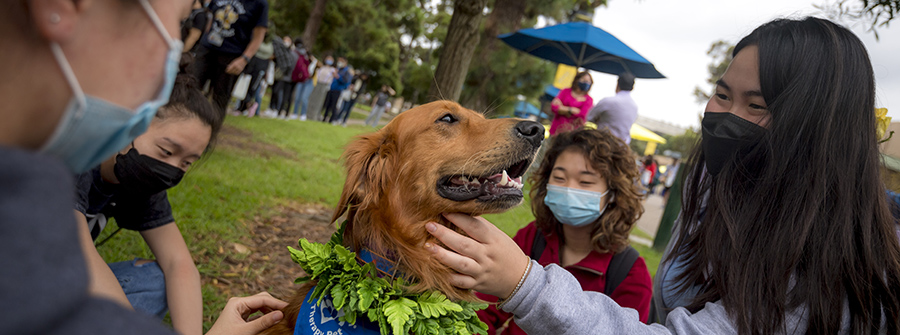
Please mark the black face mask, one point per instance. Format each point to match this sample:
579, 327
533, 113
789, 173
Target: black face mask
144, 175
724, 135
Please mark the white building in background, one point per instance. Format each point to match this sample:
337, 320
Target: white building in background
660, 127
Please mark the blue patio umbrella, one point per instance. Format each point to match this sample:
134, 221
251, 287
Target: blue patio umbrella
580, 44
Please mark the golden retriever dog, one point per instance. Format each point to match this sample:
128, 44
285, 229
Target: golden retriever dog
436, 158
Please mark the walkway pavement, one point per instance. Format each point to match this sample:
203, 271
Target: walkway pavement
649, 222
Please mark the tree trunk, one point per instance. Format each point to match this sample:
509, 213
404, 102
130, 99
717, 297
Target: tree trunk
313, 24
459, 45
505, 17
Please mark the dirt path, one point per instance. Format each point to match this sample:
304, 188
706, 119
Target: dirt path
264, 263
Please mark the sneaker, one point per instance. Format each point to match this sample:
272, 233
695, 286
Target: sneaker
292, 117
302, 117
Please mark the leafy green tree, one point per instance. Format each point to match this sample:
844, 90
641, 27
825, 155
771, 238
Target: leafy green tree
720, 52
871, 13
500, 73
683, 143
369, 34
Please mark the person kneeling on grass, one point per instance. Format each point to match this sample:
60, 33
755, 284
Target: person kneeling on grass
131, 187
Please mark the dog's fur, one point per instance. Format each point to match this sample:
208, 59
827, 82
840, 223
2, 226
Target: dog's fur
393, 181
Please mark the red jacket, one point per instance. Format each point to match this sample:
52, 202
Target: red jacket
634, 292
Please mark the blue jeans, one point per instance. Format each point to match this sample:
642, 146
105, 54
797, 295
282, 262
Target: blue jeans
375, 116
144, 285
301, 96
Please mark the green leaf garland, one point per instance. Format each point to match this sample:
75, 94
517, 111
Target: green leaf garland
357, 291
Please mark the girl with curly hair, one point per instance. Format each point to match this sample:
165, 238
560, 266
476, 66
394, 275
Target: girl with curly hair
584, 201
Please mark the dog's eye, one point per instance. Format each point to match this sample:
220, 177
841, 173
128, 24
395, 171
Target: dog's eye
448, 118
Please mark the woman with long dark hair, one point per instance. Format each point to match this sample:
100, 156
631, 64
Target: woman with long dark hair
764, 245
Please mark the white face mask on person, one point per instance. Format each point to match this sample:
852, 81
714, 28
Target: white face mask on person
91, 129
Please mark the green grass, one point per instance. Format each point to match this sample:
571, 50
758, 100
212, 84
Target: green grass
273, 162
641, 233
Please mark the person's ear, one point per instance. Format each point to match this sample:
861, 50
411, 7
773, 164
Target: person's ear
56, 20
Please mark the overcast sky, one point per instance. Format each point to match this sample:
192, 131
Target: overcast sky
675, 35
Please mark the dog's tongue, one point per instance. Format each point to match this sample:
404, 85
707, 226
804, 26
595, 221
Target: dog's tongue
503, 179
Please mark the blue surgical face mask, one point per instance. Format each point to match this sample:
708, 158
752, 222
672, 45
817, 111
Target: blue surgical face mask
329, 62
91, 129
575, 207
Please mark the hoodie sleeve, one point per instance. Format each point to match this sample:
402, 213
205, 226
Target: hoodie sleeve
551, 302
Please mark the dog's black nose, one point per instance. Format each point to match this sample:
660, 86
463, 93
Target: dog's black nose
531, 131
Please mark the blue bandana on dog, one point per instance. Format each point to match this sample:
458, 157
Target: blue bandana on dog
323, 319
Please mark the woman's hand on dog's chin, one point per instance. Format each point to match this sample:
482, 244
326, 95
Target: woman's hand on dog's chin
488, 261
235, 318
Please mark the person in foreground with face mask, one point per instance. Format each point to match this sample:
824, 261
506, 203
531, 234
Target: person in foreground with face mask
131, 187
87, 78
570, 107
585, 202
763, 245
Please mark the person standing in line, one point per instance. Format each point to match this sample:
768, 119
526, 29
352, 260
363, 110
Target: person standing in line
379, 105
339, 84
196, 25
303, 76
285, 61
671, 175
257, 70
648, 171
360, 80
237, 30
324, 76
617, 112
571, 105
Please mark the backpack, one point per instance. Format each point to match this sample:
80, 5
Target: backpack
301, 69
616, 272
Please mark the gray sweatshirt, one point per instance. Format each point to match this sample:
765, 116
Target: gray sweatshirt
551, 302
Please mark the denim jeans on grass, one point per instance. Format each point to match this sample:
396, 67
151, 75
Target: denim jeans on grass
301, 96
144, 285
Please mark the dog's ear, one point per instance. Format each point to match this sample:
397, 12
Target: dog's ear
368, 160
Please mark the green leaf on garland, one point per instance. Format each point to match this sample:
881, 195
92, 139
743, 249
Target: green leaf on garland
460, 328
398, 313
338, 296
297, 256
358, 291
346, 258
434, 304
369, 290
301, 280
316, 256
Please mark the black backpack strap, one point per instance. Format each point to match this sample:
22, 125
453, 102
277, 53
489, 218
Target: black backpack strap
537, 247
618, 269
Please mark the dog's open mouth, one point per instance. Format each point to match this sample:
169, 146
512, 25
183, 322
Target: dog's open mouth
504, 184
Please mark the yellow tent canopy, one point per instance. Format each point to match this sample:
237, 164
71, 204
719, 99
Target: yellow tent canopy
637, 132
